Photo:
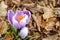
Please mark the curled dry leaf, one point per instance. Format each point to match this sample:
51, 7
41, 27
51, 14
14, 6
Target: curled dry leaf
16, 2
49, 25
3, 27
8, 37
42, 3
51, 19
48, 13
54, 37
41, 22
3, 9
57, 23
58, 26
58, 2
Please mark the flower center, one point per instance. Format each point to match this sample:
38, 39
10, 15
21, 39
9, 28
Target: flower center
20, 18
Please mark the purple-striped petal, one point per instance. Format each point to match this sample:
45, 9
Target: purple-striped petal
23, 22
10, 15
15, 23
24, 32
18, 13
28, 14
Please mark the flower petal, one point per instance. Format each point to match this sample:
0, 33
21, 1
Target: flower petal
15, 23
23, 22
10, 15
18, 13
28, 14
24, 32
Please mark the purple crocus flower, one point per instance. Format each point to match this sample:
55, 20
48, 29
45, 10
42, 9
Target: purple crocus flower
19, 20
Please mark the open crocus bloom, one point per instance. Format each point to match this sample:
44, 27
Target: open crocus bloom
20, 19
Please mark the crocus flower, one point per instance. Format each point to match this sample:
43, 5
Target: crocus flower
24, 32
20, 19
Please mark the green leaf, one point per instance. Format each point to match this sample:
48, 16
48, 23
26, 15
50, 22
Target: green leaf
28, 37
18, 39
6, 32
13, 31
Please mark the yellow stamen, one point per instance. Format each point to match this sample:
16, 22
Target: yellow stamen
20, 18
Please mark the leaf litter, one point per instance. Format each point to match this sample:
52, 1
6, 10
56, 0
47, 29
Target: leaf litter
45, 19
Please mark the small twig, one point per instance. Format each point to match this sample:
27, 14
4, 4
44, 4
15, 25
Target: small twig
13, 7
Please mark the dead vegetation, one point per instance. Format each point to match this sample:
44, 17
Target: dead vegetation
45, 19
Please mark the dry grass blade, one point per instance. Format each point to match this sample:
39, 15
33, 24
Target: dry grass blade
35, 19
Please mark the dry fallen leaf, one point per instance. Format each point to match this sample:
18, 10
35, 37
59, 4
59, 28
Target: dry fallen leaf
41, 22
8, 37
3, 9
57, 23
48, 12
54, 37
3, 27
16, 2
49, 25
